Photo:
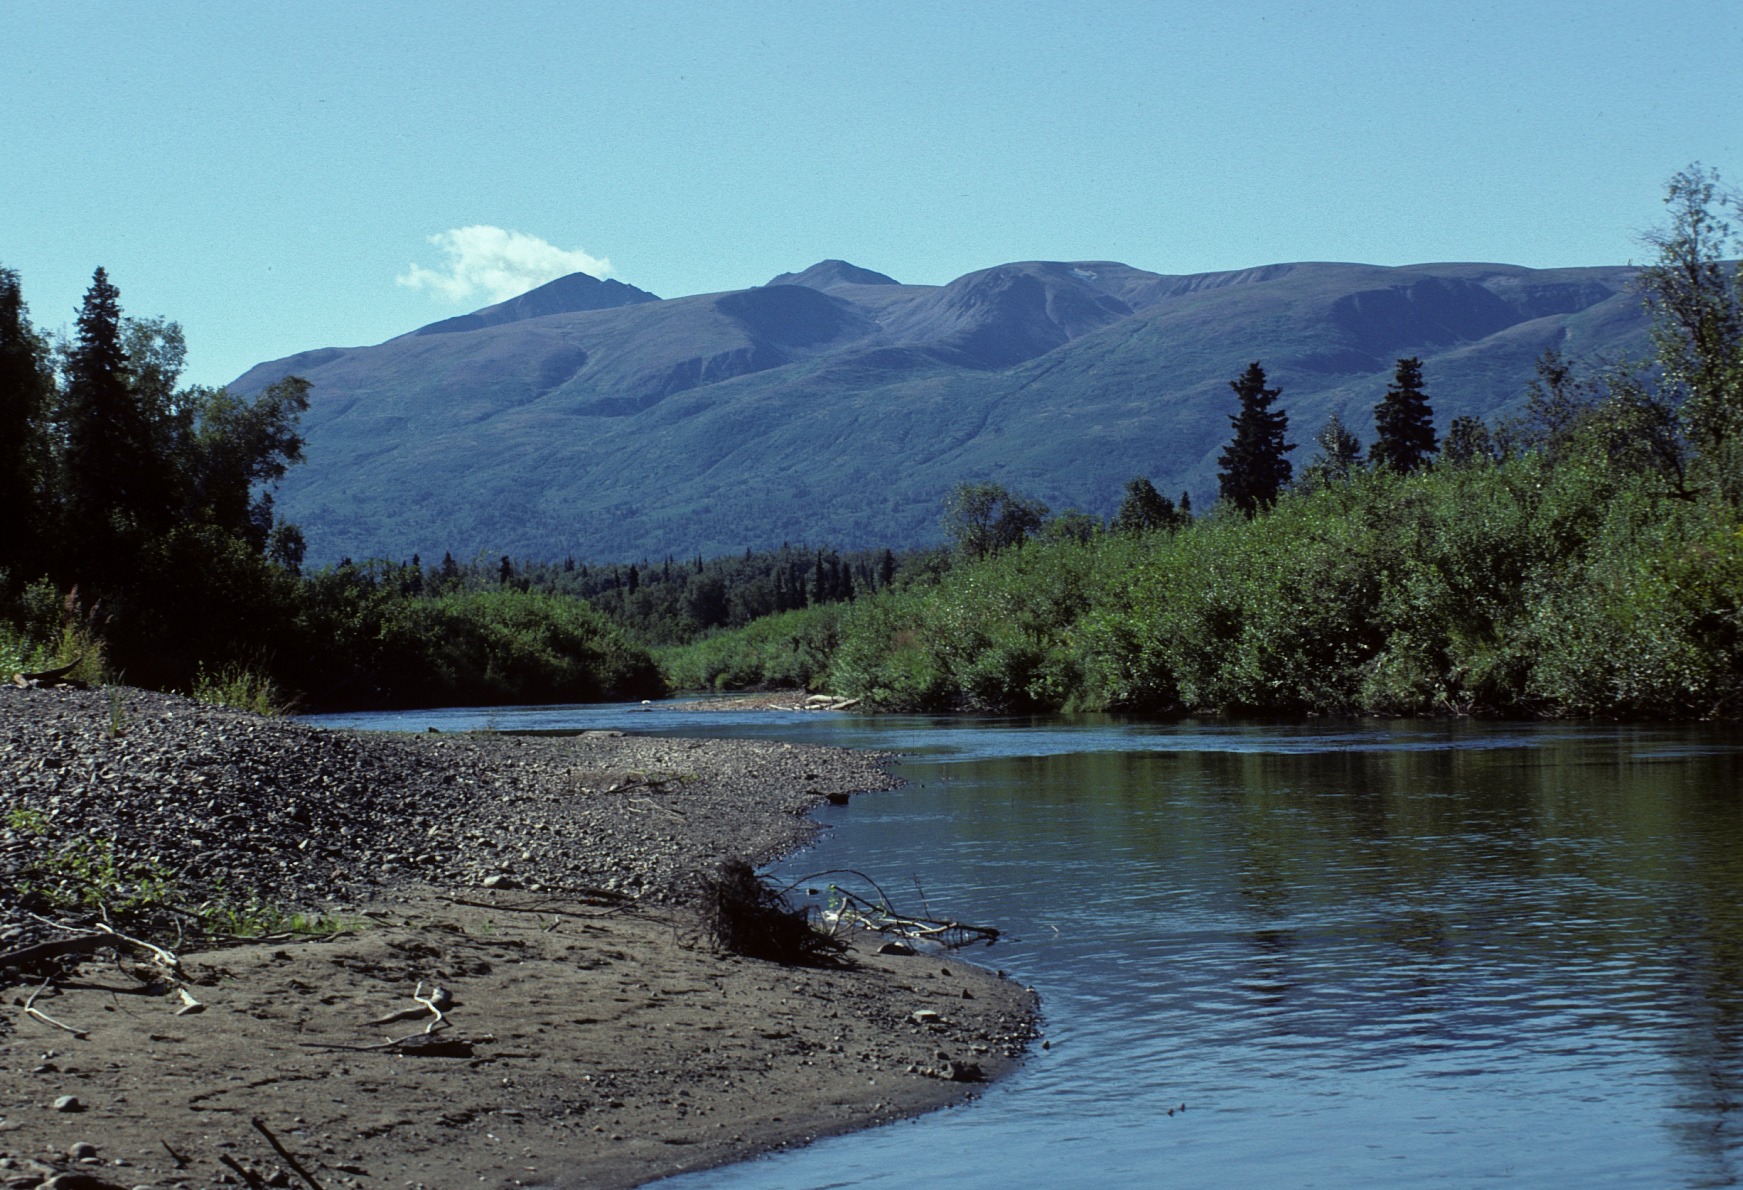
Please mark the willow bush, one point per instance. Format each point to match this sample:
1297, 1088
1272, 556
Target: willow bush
1510, 588
783, 651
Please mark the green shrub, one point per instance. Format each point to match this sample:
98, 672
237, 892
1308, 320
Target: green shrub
791, 649
1516, 588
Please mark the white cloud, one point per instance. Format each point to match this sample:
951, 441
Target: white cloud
501, 263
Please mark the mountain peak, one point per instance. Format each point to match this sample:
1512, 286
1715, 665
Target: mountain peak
577, 291
831, 274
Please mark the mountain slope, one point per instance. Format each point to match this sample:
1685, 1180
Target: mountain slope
838, 404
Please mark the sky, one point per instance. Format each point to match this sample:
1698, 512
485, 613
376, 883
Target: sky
278, 178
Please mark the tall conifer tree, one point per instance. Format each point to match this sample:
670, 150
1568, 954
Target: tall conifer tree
108, 450
1404, 421
26, 390
1253, 467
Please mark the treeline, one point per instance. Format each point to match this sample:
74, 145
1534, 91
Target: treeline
675, 601
138, 542
1584, 559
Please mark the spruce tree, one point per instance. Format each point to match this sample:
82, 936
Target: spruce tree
1253, 467
107, 445
1404, 421
26, 390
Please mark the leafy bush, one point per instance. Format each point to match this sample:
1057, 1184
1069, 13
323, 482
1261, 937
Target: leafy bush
1506, 588
374, 644
792, 649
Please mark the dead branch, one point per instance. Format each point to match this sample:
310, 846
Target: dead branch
438, 999
285, 1153
248, 1175
86, 943
602, 896
31, 1010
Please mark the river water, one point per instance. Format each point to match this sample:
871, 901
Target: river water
1360, 955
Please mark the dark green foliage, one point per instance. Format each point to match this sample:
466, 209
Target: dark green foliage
1253, 469
233, 453
1074, 524
982, 519
1514, 588
26, 395
154, 504
111, 493
1144, 509
1404, 421
784, 651
1468, 442
366, 643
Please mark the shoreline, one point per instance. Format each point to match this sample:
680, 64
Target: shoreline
538, 880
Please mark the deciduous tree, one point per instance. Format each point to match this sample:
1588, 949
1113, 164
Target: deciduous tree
1144, 508
1339, 455
983, 518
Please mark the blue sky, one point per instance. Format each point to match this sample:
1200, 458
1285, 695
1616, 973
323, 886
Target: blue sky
269, 176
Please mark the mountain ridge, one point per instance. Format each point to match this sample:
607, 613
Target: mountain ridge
824, 406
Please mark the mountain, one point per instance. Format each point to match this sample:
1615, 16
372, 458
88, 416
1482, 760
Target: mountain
565, 295
837, 404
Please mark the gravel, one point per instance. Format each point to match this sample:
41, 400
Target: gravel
230, 805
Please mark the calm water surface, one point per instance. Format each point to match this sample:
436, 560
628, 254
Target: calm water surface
1395, 955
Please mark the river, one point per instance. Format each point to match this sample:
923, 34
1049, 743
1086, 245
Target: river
1321, 954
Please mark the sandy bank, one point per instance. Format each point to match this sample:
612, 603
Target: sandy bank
589, 1045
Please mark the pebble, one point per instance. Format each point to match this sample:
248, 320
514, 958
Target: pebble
309, 819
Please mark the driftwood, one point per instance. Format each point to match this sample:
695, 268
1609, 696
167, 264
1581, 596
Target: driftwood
31, 1010
249, 1177
285, 1153
87, 943
847, 909
50, 678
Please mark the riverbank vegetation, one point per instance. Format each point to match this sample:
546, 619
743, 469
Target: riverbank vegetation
139, 540
1584, 559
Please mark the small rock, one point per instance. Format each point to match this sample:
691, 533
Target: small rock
68, 1103
81, 1150
926, 1016
79, 1181
896, 948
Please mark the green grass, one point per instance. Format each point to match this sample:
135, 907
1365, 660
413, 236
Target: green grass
240, 688
88, 874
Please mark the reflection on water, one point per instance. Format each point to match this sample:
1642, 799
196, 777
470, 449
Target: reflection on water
1362, 955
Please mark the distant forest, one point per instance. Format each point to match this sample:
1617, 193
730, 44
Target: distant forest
674, 601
